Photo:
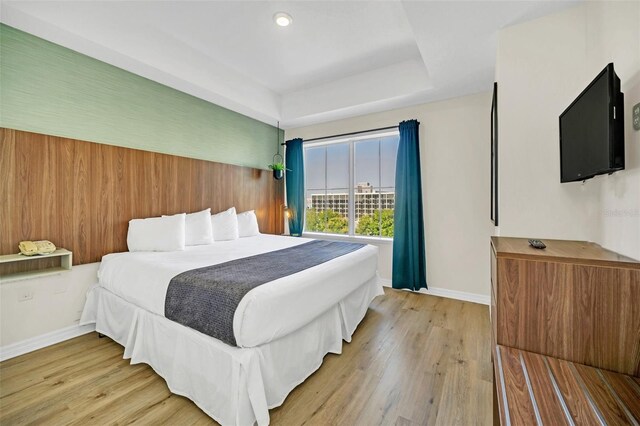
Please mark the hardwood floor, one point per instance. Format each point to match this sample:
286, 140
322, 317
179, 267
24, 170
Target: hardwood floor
414, 360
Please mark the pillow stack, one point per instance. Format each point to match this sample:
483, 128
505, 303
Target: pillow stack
171, 233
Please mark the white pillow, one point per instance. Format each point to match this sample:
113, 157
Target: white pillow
157, 233
225, 225
248, 224
198, 230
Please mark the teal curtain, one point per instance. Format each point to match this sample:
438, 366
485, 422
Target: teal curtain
294, 161
409, 260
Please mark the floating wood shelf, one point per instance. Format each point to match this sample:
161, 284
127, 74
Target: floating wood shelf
65, 265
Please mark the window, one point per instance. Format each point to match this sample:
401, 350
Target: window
350, 185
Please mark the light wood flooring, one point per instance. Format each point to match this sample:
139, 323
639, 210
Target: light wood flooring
414, 360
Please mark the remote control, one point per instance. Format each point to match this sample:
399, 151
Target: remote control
537, 244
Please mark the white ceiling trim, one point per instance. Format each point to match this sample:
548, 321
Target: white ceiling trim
338, 59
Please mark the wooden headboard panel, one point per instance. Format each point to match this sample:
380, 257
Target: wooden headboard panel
81, 195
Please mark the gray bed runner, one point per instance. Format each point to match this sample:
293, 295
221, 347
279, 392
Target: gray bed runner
206, 298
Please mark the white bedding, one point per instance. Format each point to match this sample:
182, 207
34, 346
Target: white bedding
235, 386
267, 312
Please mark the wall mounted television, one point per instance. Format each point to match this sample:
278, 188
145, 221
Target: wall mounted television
592, 130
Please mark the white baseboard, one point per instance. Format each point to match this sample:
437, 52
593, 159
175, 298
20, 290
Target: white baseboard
450, 294
38, 342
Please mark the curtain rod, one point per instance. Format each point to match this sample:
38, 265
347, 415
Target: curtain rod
348, 134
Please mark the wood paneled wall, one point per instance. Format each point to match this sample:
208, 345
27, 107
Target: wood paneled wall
81, 195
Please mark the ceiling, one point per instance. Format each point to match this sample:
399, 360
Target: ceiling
337, 59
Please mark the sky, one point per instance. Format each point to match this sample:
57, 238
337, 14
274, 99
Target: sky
368, 167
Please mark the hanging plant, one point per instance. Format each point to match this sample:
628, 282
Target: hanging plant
278, 169
277, 166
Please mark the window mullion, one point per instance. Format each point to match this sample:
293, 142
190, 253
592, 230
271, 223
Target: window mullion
352, 227
379, 188
326, 191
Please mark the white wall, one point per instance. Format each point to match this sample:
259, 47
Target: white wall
56, 304
541, 67
455, 155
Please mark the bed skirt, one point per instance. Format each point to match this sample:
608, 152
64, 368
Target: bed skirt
234, 386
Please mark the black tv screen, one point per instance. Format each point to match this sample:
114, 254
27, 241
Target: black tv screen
592, 130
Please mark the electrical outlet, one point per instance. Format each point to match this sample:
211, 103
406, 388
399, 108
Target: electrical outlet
25, 294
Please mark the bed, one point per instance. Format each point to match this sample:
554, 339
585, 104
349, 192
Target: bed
282, 328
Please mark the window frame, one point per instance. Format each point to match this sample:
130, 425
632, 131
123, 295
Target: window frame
351, 141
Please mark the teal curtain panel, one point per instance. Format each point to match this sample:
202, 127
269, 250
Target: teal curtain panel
409, 259
294, 161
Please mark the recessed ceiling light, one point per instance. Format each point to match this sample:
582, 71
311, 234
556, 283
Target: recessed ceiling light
282, 19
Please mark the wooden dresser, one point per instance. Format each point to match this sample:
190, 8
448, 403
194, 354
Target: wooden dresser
573, 301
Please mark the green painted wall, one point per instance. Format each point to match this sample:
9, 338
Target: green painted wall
46, 88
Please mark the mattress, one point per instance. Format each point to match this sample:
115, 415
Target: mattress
267, 312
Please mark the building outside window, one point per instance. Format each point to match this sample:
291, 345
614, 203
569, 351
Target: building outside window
350, 185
